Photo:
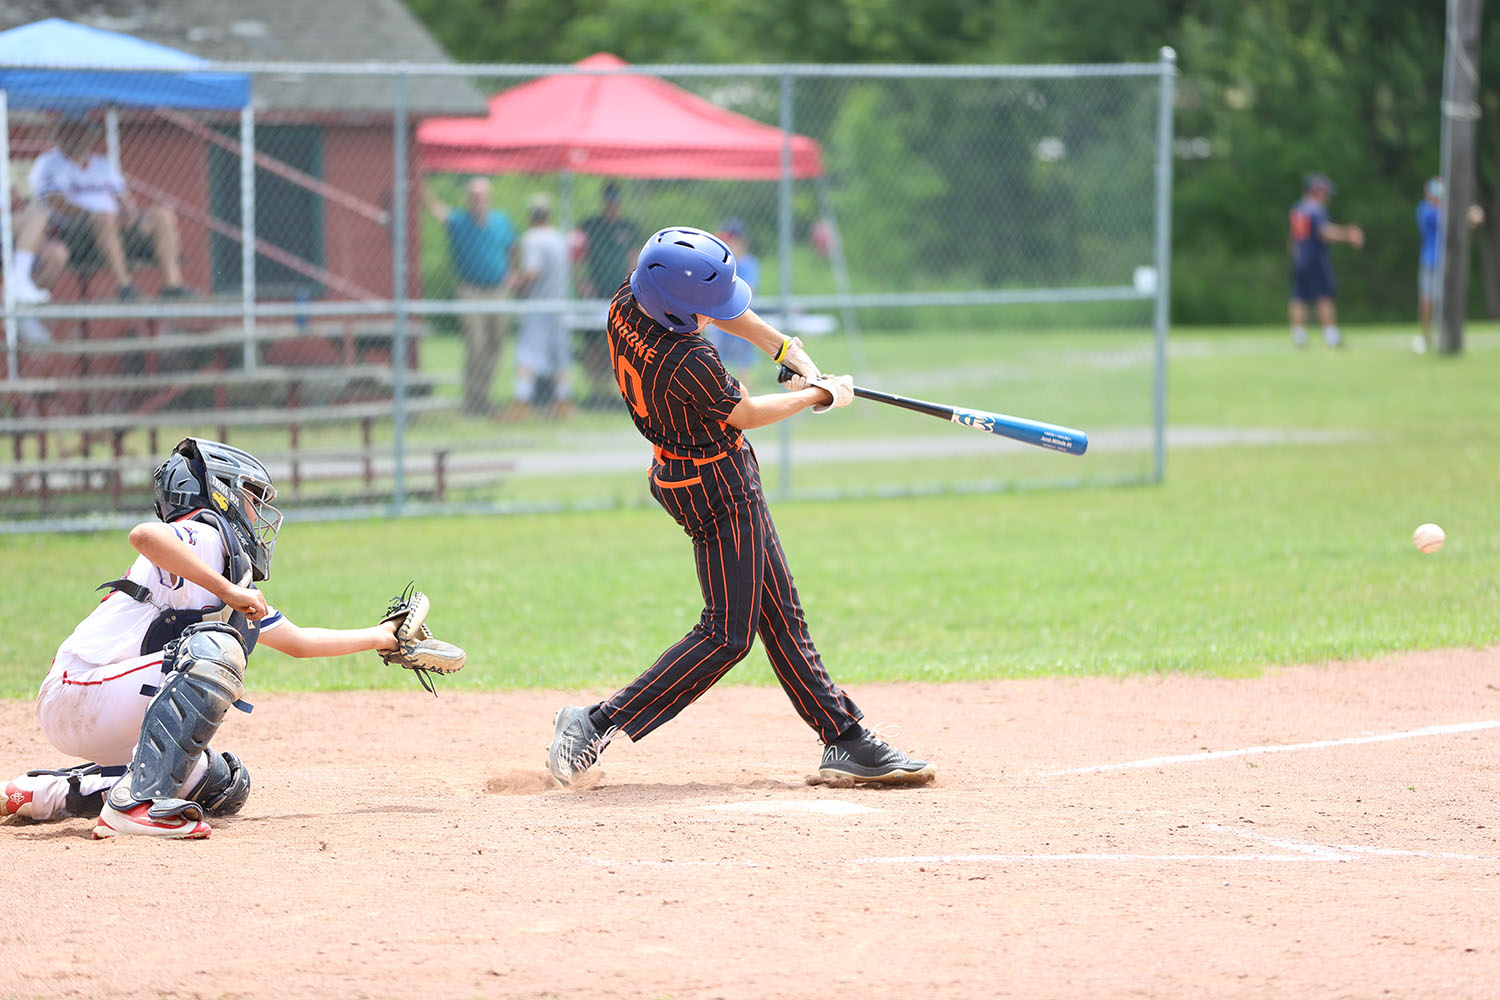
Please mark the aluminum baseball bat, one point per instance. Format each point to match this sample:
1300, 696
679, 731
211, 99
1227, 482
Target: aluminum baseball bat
1033, 432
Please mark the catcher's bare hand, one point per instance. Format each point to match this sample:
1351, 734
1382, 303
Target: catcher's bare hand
247, 601
415, 647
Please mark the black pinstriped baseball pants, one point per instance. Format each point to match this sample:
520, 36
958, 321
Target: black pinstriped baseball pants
747, 591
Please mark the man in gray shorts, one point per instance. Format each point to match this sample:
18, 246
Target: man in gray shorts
543, 349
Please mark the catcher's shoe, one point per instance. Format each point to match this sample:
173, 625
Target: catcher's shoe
868, 759
136, 822
576, 744
17, 801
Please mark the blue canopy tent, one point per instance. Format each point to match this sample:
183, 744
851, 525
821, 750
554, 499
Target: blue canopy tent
57, 65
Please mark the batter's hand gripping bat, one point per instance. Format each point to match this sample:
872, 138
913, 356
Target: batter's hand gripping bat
1051, 436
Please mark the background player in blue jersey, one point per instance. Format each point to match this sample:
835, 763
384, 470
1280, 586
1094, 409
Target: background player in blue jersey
1312, 270
705, 475
1429, 273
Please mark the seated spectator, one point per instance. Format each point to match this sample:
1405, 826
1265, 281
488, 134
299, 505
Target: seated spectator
94, 215
39, 260
37, 264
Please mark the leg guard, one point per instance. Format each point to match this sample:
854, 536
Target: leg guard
208, 670
225, 786
57, 793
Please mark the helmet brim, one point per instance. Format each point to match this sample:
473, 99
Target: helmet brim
733, 307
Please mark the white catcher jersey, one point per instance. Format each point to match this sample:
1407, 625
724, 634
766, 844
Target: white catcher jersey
114, 630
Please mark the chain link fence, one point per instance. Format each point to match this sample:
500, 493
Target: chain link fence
390, 282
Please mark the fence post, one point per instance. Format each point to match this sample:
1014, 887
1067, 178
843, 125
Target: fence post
247, 231
1163, 310
784, 250
1460, 109
398, 252
7, 243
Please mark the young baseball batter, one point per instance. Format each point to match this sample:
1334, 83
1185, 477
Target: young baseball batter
141, 711
705, 475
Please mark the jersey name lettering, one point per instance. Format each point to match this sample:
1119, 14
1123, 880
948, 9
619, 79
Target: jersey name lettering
628, 334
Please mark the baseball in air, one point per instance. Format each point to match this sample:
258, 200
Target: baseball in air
1428, 537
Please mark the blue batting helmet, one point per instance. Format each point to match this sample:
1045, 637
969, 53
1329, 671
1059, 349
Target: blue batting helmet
682, 271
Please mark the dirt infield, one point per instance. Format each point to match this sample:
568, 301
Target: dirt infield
1326, 831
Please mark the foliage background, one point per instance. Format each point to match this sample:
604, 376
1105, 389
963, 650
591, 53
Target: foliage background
1270, 90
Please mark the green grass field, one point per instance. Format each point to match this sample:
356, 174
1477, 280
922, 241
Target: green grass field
1245, 556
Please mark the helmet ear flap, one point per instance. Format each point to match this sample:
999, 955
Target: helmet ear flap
180, 482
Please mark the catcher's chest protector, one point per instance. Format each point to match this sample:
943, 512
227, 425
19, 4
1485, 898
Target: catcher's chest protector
172, 622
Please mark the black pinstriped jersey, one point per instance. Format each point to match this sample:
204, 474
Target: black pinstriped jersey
674, 385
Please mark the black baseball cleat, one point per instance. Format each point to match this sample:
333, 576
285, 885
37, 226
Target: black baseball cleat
868, 759
576, 744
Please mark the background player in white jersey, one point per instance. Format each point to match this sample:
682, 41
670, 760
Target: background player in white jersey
143, 725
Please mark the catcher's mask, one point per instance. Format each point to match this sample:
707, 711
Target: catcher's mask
202, 474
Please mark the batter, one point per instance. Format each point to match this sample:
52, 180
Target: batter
705, 475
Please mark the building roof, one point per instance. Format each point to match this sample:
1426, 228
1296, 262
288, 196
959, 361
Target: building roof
324, 31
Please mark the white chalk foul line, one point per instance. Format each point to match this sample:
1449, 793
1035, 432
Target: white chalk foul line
977, 859
1345, 852
1023, 859
778, 807
1191, 758
1285, 852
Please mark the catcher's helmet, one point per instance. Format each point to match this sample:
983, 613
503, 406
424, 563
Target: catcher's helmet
682, 271
201, 474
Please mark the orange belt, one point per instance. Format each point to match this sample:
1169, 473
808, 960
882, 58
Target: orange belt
661, 453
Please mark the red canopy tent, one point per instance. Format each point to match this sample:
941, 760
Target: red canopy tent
619, 125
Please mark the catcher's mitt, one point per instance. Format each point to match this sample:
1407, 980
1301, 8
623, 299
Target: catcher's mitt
417, 649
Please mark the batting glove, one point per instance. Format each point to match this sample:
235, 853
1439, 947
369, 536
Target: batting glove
794, 357
840, 389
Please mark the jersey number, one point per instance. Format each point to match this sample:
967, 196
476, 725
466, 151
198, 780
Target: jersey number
1301, 226
630, 386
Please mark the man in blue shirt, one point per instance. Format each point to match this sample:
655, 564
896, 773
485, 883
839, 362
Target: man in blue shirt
1312, 270
481, 241
1430, 228
1429, 274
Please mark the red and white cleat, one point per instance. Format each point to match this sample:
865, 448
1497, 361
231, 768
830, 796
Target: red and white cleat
134, 822
17, 801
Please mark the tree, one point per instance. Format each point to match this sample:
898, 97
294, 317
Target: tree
1275, 88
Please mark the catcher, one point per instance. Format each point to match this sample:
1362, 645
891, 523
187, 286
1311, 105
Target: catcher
142, 685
